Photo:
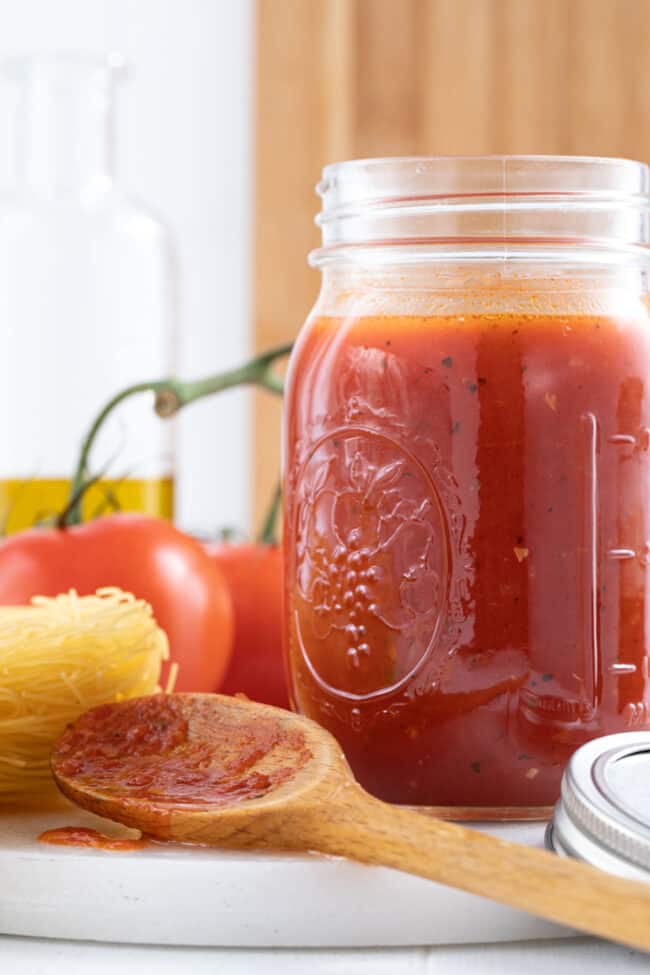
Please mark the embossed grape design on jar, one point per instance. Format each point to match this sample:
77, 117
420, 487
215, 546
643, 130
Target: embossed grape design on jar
466, 465
371, 560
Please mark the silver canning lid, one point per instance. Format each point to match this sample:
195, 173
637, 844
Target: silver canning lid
603, 815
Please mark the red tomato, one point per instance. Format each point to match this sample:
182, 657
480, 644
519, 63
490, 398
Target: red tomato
145, 556
254, 575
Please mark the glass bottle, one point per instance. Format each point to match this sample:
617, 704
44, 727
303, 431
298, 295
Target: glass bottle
467, 465
86, 303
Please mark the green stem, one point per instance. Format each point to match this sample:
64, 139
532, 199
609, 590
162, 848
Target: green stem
74, 501
268, 534
171, 395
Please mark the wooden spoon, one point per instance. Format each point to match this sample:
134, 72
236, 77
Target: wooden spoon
203, 768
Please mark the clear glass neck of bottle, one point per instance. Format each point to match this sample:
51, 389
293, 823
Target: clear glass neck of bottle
64, 120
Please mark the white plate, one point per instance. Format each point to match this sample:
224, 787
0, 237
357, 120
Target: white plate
177, 895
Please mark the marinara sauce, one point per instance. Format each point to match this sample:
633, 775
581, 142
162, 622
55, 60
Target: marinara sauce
467, 528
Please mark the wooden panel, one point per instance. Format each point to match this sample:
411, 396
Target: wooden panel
350, 78
496, 76
609, 89
389, 58
530, 48
459, 77
294, 105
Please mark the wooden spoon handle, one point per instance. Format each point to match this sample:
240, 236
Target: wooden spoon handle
550, 886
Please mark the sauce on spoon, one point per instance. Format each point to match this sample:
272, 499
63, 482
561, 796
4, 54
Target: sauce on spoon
147, 749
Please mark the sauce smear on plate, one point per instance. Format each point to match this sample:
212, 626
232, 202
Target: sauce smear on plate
83, 836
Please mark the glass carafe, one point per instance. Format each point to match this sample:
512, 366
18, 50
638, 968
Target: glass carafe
86, 303
467, 473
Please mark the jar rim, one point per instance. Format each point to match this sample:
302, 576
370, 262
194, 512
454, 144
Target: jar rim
492, 198
510, 173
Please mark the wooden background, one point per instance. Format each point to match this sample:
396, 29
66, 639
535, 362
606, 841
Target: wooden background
339, 79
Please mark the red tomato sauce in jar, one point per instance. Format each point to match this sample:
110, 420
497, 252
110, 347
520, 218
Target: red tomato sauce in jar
466, 529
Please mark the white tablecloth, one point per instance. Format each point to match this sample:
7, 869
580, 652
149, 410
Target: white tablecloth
579, 956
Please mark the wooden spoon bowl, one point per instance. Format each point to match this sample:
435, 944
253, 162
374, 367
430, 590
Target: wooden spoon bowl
221, 772
202, 768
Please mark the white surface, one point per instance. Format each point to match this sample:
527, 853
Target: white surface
184, 146
166, 894
579, 956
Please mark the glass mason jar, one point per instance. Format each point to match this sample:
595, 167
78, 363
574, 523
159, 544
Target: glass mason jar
87, 302
466, 461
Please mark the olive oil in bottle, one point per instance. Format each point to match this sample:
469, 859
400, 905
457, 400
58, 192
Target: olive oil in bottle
25, 503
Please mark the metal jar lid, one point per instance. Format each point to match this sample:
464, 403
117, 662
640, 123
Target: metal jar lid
603, 815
